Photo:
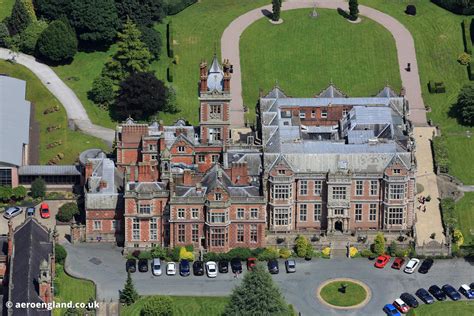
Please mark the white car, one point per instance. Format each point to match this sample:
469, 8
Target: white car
156, 266
171, 268
412, 265
12, 212
211, 269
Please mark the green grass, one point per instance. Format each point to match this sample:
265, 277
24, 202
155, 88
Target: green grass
461, 154
184, 306
465, 216
303, 55
354, 295
72, 142
462, 308
5, 8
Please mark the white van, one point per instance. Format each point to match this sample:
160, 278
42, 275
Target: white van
156, 266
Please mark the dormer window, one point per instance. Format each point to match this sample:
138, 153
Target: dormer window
281, 172
181, 149
396, 171
218, 196
324, 113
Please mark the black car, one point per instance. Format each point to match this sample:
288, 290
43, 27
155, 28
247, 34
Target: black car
425, 296
143, 265
131, 265
471, 285
409, 299
223, 266
184, 269
198, 268
426, 266
437, 292
451, 292
236, 265
273, 266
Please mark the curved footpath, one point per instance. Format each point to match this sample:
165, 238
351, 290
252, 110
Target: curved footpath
404, 42
74, 108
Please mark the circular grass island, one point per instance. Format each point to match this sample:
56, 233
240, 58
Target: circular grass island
355, 295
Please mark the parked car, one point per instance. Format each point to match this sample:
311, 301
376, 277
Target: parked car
156, 266
30, 211
251, 262
409, 299
426, 266
12, 212
425, 296
382, 261
471, 285
198, 268
412, 265
437, 293
273, 266
143, 265
131, 265
390, 310
223, 266
466, 291
184, 269
401, 306
211, 269
290, 265
171, 268
44, 210
398, 263
451, 292
236, 265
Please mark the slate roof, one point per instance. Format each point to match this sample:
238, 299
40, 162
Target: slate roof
97, 197
215, 76
45, 170
332, 92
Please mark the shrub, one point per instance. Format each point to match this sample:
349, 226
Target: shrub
470, 70
158, 252
173, 254
241, 253
158, 306
268, 254
458, 238
152, 40
464, 59
441, 155
213, 256
175, 6
185, 255
29, 37
301, 246
410, 10
466, 32
19, 192
102, 91
379, 244
57, 43
67, 211
401, 253
170, 73
4, 35
285, 253
38, 188
392, 248
326, 252
60, 254
145, 255
353, 252
366, 253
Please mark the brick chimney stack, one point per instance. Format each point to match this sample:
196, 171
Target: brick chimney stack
203, 76
239, 173
187, 177
227, 74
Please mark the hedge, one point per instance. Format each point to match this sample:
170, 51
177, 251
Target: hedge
466, 32
175, 6
169, 42
441, 154
453, 6
170, 73
470, 70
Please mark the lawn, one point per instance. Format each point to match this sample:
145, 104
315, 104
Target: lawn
304, 55
354, 295
5, 8
462, 308
185, 306
465, 217
72, 142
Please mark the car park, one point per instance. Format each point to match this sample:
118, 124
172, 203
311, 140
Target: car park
223, 266
426, 266
273, 266
156, 266
451, 292
425, 296
401, 306
12, 212
171, 268
251, 263
184, 269
390, 310
30, 211
437, 292
409, 299
236, 265
398, 263
382, 261
143, 265
466, 291
411, 265
211, 269
44, 210
290, 266
131, 265
198, 268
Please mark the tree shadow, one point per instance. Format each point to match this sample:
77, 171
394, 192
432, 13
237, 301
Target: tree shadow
267, 13
343, 13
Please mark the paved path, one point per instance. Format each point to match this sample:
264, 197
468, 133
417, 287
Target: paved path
403, 40
466, 188
74, 108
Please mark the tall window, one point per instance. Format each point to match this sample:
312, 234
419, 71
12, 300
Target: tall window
317, 212
215, 109
153, 229
374, 187
240, 213
373, 212
181, 149
359, 187
215, 134
6, 177
395, 216
195, 213
97, 225
303, 187
282, 216
218, 237
253, 233
358, 212
318, 187
181, 233
201, 158
281, 191
397, 191
145, 209
220, 217
240, 233
303, 212
181, 213
136, 229
218, 196
339, 193
254, 213
195, 233
214, 158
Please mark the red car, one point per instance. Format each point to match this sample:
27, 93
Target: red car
251, 262
382, 261
401, 306
398, 263
44, 210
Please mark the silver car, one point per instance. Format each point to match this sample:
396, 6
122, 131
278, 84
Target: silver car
156, 266
290, 265
12, 212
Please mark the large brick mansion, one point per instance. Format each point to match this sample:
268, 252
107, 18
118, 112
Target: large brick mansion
324, 164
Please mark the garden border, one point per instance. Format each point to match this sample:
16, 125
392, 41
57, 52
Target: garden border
357, 306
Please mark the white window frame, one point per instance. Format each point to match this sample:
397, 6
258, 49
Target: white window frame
374, 187
136, 229
317, 211
254, 213
303, 212
181, 213
372, 212
358, 212
359, 188
240, 213
303, 187
153, 228
318, 187
339, 193
97, 225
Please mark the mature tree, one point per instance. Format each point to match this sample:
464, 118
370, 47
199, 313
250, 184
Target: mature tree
60, 254
67, 211
276, 8
4, 35
6, 193
19, 192
29, 37
353, 9
96, 21
465, 105
257, 295
158, 306
379, 244
52, 9
102, 92
140, 96
19, 19
142, 12
57, 43
128, 295
153, 41
38, 188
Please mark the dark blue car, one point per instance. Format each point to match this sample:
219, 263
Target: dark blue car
425, 296
451, 292
390, 310
184, 268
